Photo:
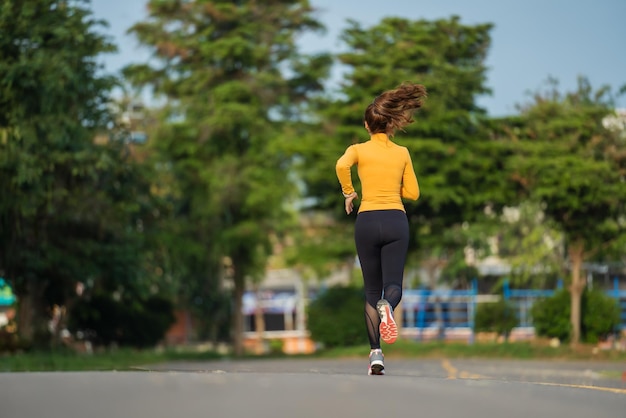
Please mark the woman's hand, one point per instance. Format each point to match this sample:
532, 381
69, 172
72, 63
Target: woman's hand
349, 204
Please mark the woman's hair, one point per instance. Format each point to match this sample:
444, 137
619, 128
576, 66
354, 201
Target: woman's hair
394, 109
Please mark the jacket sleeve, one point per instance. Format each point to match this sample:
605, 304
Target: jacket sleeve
342, 168
410, 187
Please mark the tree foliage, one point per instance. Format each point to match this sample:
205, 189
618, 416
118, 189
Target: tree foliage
73, 208
532, 245
233, 78
564, 157
132, 322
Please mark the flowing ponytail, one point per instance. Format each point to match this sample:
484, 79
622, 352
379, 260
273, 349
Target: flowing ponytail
394, 109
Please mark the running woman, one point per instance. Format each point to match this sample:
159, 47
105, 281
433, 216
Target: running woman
381, 231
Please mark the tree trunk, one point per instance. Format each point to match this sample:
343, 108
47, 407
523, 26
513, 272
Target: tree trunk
259, 318
25, 316
32, 320
576, 289
301, 293
237, 325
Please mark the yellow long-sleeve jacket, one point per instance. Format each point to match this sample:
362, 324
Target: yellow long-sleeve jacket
385, 170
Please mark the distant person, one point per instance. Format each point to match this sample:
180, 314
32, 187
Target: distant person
381, 231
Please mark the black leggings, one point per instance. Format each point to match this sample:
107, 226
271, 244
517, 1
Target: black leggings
382, 241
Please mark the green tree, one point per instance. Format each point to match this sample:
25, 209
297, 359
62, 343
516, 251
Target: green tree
569, 161
71, 209
531, 245
233, 78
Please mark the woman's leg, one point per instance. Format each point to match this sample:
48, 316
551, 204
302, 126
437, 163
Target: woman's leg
367, 239
382, 241
393, 255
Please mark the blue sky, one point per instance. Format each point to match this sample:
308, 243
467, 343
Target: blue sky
531, 41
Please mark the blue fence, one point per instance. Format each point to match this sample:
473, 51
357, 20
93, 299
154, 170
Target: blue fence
620, 297
440, 313
427, 310
523, 300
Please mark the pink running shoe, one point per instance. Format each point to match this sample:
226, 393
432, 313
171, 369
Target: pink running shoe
388, 328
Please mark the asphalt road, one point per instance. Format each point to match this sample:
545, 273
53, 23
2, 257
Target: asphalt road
307, 388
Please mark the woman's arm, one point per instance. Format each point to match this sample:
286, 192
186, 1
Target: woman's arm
410, 187
342, 168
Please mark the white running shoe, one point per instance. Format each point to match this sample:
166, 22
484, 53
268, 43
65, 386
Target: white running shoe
388, 328
376, 363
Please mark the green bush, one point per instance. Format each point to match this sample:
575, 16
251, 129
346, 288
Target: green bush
276, 346
496, 317
132, 323
551, 316
600, 316
336, 317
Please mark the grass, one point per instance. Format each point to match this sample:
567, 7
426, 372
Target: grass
513, 350
118, 360
126, 359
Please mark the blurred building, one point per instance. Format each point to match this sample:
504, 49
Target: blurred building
134, 121
131, 124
